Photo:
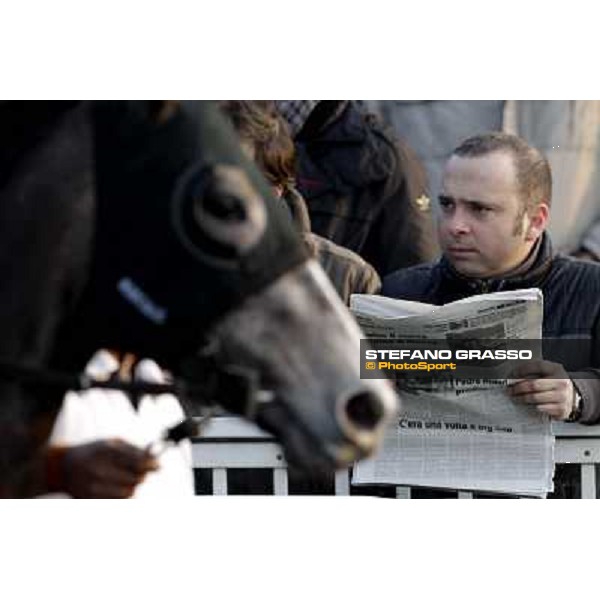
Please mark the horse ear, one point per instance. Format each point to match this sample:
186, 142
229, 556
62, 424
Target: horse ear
221, 216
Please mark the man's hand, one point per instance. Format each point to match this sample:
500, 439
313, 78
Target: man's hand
105, 469
546, 385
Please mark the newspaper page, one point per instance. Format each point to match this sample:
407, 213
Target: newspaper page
464, 434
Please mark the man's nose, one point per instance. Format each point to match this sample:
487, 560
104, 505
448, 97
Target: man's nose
458, 223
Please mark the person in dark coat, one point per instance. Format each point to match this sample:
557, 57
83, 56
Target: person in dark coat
495, 203
265, 137
365, 190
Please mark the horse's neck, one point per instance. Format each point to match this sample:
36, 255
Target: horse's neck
46, 216
23, 125
46, 219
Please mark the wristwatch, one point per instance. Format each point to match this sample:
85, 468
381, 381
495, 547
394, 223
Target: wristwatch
577, 407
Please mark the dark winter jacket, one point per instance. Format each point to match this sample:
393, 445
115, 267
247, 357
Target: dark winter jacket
364, 189
571, 291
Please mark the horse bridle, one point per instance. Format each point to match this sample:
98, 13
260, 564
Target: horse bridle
231, 387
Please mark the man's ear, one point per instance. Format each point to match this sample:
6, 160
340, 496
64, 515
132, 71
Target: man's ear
538, 220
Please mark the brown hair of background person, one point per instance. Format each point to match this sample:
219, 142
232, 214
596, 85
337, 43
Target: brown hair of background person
264, 136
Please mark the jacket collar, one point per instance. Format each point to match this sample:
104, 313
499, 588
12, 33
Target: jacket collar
297, 206
530, 273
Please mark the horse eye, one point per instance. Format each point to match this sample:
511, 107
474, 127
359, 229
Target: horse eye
221, 204
220, 215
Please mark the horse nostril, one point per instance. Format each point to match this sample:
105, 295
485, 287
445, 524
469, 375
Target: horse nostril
364, 410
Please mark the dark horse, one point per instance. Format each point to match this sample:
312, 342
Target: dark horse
140, 226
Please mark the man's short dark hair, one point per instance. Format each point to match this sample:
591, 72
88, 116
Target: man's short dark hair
534, 177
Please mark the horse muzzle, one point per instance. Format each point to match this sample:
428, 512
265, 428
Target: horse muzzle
362, 417
305, 346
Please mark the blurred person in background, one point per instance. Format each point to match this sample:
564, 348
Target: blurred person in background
265, 138
364, 188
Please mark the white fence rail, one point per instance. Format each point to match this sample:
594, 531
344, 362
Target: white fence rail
231, 443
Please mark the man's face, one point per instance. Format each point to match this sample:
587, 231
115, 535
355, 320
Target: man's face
482, 227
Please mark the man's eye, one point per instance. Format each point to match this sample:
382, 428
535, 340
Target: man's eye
481, 209
446, 203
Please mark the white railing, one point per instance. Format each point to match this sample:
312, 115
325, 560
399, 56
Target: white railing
231, 443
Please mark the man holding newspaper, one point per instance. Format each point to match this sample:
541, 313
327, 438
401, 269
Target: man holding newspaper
494, 208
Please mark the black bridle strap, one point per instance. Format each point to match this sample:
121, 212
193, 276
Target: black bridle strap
233, 388
28, 375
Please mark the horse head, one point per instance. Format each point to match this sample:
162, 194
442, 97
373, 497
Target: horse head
193, 262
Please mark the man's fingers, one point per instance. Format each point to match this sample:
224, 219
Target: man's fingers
113, 474
532, 386
106, 469
553, 397
548, 397
135, 460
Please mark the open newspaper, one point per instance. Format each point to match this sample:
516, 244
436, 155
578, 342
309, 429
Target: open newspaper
467, 434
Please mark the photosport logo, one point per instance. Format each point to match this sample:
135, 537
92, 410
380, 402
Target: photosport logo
446, 358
